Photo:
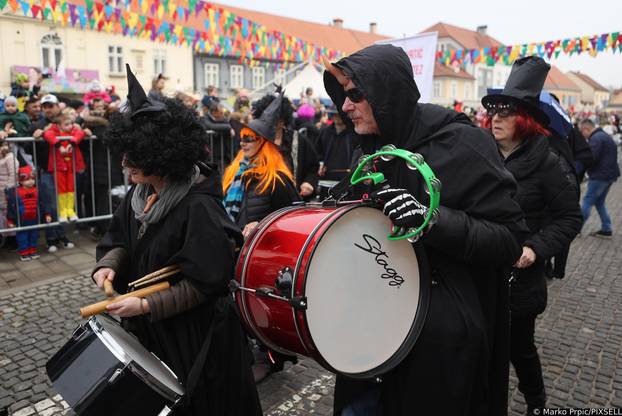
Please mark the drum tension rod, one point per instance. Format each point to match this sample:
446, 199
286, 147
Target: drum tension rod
299, 302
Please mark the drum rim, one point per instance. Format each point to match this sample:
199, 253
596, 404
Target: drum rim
415, 329
248, 246
106, 338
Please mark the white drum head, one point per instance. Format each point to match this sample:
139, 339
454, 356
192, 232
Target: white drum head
132, 348
362, 300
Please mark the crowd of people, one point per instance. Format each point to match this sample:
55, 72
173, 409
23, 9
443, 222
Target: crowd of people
510, 209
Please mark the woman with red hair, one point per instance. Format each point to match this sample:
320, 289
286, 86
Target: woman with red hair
549, 202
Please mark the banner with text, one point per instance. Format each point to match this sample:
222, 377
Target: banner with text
421, 50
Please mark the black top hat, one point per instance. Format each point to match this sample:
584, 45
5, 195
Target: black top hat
524, 87
137, 99
265, 125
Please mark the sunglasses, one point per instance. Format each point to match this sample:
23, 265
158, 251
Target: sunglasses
501, 109
23, 177
355, 95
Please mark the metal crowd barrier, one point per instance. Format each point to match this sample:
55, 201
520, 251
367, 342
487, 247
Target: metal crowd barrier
221, 153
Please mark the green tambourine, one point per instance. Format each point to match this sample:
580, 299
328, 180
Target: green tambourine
413, 161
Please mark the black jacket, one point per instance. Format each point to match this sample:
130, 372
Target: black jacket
256, 206
551, 205
336, 151
198, 236
459, 364
307, 163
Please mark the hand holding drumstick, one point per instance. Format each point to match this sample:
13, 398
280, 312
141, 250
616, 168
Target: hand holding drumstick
124, 308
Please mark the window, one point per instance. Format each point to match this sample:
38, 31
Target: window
236, 76
437, 88
467, 91
259, 77
159, 62
51, 51
211, 75
484, 80
115, 60
454, 90
279, 76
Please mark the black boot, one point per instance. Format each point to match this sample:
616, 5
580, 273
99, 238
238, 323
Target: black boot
535, 401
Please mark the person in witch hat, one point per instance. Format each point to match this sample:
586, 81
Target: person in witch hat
173, 215
258, 181
519, 128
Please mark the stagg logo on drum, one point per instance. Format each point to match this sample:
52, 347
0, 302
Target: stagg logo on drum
373, 247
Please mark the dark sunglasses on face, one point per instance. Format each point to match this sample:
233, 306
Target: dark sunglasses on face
355, 95
248, 139
501, 109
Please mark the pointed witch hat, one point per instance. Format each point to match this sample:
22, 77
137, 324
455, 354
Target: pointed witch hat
137, 100
265, 125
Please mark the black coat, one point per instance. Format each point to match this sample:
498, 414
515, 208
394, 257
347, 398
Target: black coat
551, 205
307, 163
336, 151
459, 365
197, 235
256, 206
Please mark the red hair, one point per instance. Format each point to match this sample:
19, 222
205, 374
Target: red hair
526, 125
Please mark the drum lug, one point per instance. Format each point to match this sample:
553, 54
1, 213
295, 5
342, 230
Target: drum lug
283, 282
118, 372
79, 331
299, 303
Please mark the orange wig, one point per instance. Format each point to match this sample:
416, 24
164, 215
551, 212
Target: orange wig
267, 164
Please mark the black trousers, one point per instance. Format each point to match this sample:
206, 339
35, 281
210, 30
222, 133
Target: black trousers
524, 357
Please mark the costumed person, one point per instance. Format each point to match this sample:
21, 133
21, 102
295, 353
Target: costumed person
173, 215
8, 178
23, 89
459, 364
23, 210
66, 159
257, 183
550, 202
295, 146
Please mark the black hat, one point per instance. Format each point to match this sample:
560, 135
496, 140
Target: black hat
137, 99
523, 87
265, 125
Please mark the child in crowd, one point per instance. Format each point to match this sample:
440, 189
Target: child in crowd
23, 206
21, 89
13, 123
66, 157
7, 179
95, 92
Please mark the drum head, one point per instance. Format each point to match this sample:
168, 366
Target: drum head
363, 293
133, 349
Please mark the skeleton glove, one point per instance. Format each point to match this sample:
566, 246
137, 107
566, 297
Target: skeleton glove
401, 207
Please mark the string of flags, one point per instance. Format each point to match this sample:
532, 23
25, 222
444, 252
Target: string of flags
194, 23
592, 45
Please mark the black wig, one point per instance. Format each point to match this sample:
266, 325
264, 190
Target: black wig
167, 143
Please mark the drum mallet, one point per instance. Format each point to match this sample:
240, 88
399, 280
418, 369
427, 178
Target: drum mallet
108, 290
99, 307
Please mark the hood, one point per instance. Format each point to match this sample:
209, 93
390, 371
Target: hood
384, 73
209, 182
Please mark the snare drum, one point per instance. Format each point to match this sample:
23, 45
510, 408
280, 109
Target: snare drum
104, 370
325, 282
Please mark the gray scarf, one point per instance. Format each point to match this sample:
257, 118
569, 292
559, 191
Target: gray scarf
168, 198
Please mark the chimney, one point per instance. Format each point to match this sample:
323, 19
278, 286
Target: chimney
373, 26
482, 29
338, 22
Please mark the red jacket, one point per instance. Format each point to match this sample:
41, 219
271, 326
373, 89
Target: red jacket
64, 162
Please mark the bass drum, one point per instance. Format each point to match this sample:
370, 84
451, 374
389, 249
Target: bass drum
325, 282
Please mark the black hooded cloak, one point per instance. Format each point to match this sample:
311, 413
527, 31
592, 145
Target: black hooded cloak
459, 365
199, 237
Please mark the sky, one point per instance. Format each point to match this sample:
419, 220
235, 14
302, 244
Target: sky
510, 22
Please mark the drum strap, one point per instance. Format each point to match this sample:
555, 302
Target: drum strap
199, 362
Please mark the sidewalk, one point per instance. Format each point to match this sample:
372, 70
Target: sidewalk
579, 335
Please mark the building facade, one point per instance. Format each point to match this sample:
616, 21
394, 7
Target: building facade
594, 97
453, 84
84, 54
568, 93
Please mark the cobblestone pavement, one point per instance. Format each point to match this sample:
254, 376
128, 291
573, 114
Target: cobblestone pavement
579, 335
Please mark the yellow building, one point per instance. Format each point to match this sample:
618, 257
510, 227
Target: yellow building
27, 42
453, 83
568, 92
594, 96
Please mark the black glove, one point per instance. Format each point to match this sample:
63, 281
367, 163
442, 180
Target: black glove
401, 207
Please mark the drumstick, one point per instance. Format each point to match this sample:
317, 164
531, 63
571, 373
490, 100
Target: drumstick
100, 307
157, 273
155, 279
108, 290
